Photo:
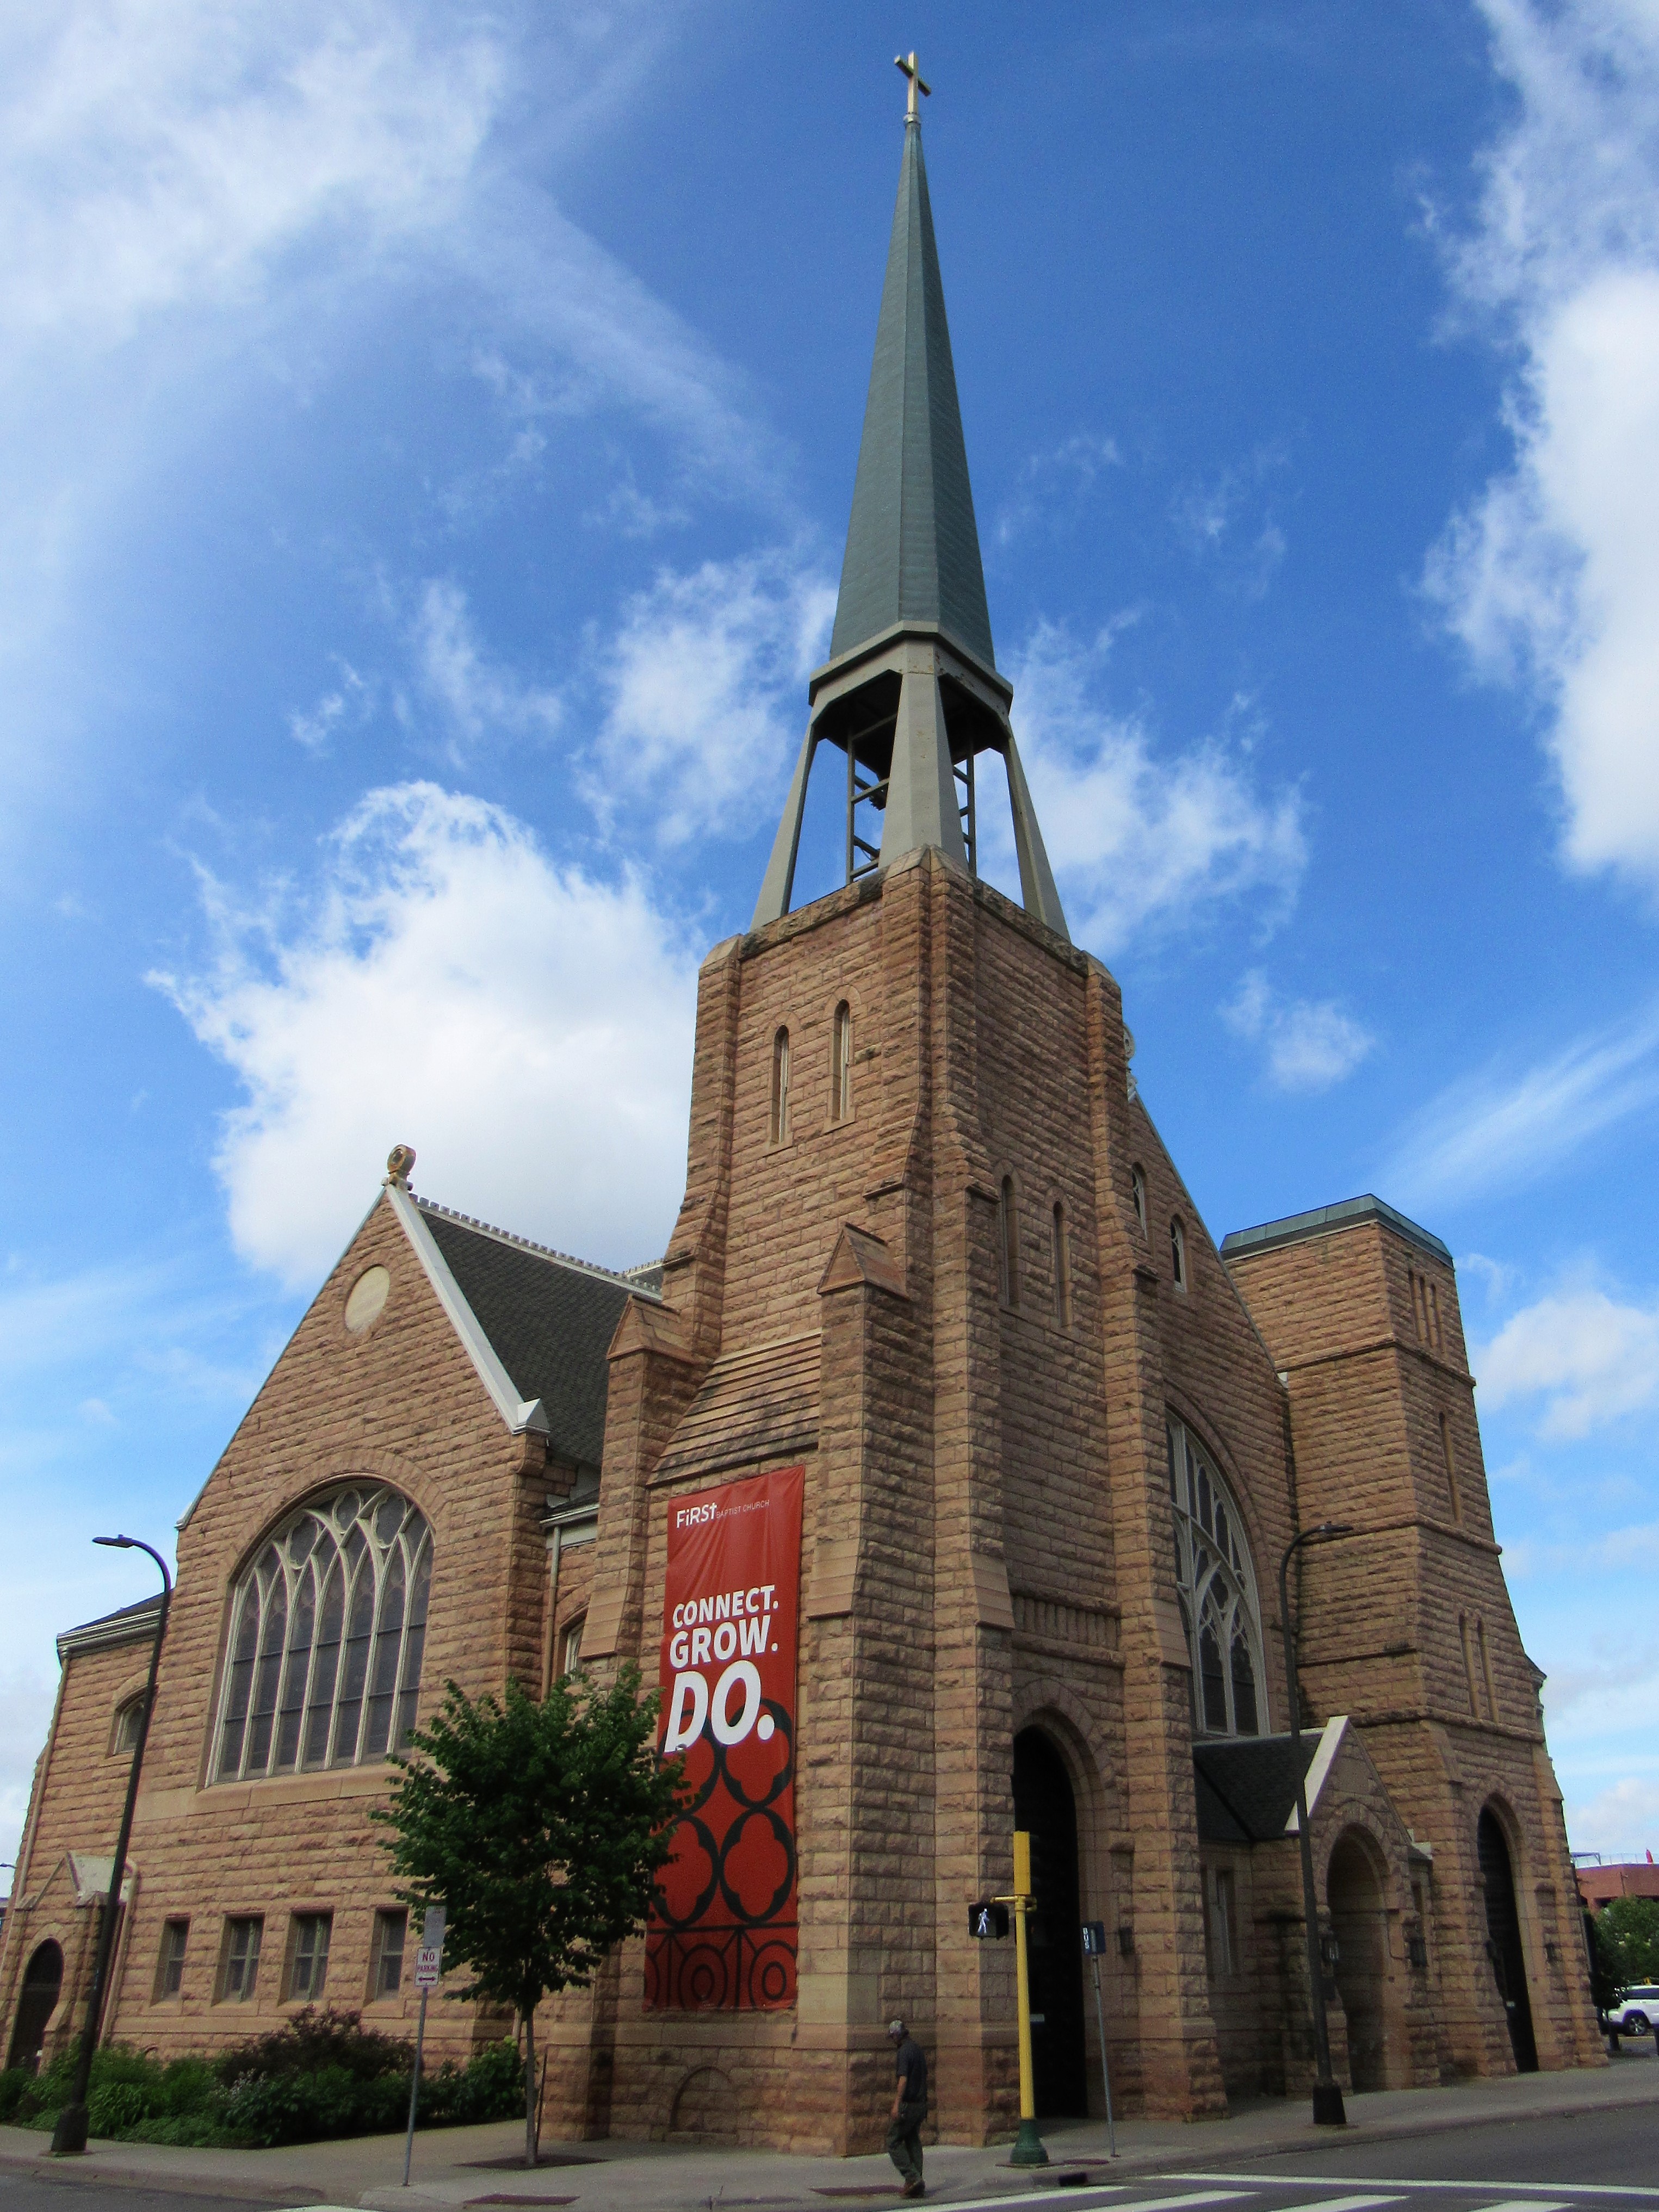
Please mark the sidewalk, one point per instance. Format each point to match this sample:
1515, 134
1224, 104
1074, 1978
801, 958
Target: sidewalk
472, 2166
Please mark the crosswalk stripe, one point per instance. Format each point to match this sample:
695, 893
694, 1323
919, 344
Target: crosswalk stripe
1074, 2195
1191, 2198
1523, 2204
1017, 2195
1346, 2205
1567, 2192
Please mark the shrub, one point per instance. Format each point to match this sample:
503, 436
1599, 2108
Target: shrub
490, 2088
314, 2041
321, 2076
292, 2107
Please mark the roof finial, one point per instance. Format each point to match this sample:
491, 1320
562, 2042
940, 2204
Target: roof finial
908, 64
399, 1161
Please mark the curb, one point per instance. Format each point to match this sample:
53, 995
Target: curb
1204, 2151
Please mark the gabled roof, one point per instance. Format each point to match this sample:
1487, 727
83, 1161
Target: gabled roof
1247, 1784
912, 544
129, 1624
550, 1319
536, 1323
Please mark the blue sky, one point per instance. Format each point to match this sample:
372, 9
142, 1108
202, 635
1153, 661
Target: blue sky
429, 432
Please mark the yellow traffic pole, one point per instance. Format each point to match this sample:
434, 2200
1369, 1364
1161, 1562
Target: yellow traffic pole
1028, 2144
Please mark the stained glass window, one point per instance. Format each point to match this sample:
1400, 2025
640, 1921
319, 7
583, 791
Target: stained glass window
328, 1629
1216, 1588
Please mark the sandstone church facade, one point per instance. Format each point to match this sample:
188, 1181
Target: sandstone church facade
937, 1292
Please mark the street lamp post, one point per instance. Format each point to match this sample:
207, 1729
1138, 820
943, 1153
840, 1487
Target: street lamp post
1327, 2090
69, 2135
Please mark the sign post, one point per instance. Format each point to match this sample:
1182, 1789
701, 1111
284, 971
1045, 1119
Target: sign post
429, 1969
1094, 1945
1028, 2144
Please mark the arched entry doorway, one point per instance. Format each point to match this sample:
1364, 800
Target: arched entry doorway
43, 1983
1044, 1805
1354, 1894
1509, 1961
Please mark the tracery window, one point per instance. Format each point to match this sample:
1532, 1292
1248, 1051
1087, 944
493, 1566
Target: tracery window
327, 1629
1216, 1586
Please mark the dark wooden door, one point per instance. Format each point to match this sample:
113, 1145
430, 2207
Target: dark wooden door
1503, 1928
1043, 1804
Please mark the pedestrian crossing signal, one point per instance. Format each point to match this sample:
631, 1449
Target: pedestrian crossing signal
987, 1920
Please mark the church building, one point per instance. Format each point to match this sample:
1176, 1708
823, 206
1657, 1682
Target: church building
940, 1473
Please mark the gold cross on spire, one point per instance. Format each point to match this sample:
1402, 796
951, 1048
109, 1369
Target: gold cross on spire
908, 64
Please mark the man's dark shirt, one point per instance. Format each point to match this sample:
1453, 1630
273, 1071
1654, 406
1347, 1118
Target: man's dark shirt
913, 2068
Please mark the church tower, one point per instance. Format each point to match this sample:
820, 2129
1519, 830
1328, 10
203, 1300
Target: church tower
945, 1485
915, 1258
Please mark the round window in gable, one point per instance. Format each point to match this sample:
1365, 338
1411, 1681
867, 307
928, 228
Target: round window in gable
366, 1300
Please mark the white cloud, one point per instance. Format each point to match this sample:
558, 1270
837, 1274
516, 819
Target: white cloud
1621, 1821
705, 684
526, 1027
1310, 1043
26, 1699
1591, 1359
478, 696
1497, 1128
1136, 839
206, 213
1055, 485
183, 150
1206, 514
346, 706
1550, 575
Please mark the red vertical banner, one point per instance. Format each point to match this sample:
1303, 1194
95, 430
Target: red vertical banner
723, 1935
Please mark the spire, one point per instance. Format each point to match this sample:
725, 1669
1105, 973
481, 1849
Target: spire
910, 693
912, 545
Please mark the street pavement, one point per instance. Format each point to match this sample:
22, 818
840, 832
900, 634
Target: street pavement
1543, 2143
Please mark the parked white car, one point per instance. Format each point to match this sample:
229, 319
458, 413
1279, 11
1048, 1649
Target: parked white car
1636, 2011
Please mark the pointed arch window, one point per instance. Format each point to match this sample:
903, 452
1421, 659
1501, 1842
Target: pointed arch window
1178, 1253
1138, 1192
780, 1088
1010, 1213
1215, 1583
841, 1069
1062, 1269
328, 1629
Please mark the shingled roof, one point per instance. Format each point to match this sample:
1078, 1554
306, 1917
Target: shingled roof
126, 1625
549, 1318
1247, 1785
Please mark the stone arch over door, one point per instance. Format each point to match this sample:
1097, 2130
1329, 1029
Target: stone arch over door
43, 1985
1355, 1892
1504, 1945
1045, 1804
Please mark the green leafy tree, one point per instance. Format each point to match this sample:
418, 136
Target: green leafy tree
542, 1827
1627, 1939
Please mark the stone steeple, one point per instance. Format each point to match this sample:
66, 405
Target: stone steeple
911, 693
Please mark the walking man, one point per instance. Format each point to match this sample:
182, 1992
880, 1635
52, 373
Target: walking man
909, 2109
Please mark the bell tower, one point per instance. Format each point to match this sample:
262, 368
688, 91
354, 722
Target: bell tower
910, 694
909, 1265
